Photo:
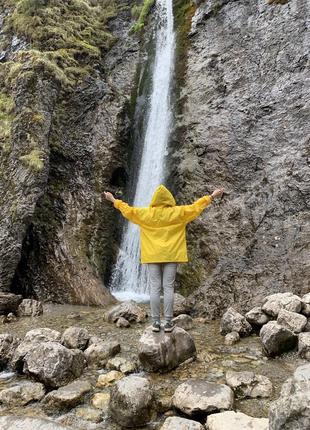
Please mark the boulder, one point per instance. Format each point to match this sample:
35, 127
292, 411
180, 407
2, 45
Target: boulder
128, 310
107, 379
233, 321
17, 358
273, 303
22, 393
165, 351
8, 345
305, 304
75, 338
199, 397
181, 305
43, 335
122, 323
235, 421
291, 320
53, 364
131, 402
177, 423
257, 316
291, 411
304, 345
30, 308
248, 384
277, 339
66, 397
232, 338
9, 302
122, 364
27, 423
97, 354
184, 321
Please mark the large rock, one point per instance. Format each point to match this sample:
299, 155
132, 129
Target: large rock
8, 345
30, 308
305, 304
9, 302
75, 337
28, 423
128, 310
98, 353
131, 401
275, 302
43, 335
22, 393
199, 397
177, 423
236, 421
53, 364
277, 339
291, 320
181, 305
66, 397
304, 345
234, 321
257, 317
165, 351
291, 411
248, 384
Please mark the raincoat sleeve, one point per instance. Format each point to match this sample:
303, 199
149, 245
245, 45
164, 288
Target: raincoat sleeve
190, 212
129, 212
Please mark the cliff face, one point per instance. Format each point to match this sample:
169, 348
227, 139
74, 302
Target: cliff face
244, 125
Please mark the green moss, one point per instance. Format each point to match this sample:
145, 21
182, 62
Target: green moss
6, 119
144, 12
34, 160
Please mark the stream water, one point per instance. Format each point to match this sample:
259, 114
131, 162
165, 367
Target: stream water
129, 278
213, 360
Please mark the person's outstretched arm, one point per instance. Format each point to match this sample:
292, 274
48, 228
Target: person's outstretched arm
129, 212
190, 212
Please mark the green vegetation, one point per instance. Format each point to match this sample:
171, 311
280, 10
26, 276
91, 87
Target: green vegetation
142, 12
34, 160
6, 118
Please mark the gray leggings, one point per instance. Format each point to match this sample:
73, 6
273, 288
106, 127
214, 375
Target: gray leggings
162, 275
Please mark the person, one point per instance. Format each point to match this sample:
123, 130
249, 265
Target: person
163, 243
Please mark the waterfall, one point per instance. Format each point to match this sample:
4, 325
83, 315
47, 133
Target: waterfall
129, 278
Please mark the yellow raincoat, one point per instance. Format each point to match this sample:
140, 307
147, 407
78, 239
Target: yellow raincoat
162, 225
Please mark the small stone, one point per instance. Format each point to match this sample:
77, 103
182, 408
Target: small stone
231, 420
234, 321
180, 305
291, 320
101, 401
122, 322
231, 338
177, 423
108, 378
42, 335
98, 354
9, 318
75, 338
30, 308
22, 393
122, 364
128, 310
66, 397
184, 321
257, 316
304, 345
89, 414
248, 384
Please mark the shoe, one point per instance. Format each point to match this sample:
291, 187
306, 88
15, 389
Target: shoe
156, 326
169, 326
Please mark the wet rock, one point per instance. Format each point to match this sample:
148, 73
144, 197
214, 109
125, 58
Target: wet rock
53, 364
235, 421
291, 411
257, 317
199, 397
101, 401
30, 308
232, 338
43, 335
122, 364
173, 423
109, 378
66, 397
291, 320
122, 323
97, 354
128, 310
8, 345
276, 339
305, 304
275, 302
304, 345
89, 414
131, 402
75, 338
9, 302
233, 321
22, 393
181, 305
28, 423
165, 351
248, 384
184, 321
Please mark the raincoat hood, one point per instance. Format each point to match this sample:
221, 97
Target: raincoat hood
162, 197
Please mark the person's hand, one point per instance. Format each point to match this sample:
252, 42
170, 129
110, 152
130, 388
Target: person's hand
217, 193
109, 196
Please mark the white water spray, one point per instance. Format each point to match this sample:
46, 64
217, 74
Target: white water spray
129, 278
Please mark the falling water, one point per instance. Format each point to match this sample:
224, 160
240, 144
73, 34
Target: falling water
129, 278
